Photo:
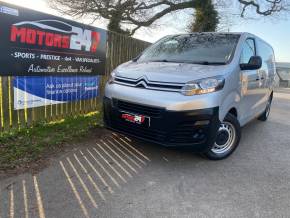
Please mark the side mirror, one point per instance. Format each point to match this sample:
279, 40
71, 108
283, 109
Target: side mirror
255, 63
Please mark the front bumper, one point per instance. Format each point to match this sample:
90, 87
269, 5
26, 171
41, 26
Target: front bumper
195, 129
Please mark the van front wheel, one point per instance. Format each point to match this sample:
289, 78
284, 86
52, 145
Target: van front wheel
227, 140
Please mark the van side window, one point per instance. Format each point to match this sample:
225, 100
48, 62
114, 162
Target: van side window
248, 51
267, 54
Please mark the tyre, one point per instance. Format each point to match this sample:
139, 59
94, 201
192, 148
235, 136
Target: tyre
227, 139
264, 116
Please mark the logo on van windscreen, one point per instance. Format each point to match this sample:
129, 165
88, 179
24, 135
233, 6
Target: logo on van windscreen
54, 34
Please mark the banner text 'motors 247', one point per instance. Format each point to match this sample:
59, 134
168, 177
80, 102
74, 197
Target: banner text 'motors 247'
34, 43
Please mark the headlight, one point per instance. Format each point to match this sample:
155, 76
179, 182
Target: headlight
203, 86
112, 77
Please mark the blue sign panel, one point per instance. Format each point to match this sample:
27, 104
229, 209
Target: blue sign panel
36, 91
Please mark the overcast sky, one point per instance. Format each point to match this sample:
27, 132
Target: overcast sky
273, 30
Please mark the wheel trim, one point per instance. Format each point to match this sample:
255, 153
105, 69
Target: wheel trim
224, 148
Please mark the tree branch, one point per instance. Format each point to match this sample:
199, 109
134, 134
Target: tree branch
274, 6
171, 8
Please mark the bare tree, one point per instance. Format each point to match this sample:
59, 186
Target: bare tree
127, 16
205, 18
122, 13
211, 13
264, 7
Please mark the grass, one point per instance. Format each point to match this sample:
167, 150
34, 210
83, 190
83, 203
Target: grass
19, 148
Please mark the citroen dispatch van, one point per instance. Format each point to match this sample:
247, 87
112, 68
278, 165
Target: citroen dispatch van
193, 90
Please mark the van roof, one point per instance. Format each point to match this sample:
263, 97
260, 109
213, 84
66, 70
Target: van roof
245, 34
213, 33
218, 33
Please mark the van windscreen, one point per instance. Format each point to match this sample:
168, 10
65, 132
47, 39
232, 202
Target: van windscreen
200, 48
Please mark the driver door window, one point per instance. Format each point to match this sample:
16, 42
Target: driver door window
248, 51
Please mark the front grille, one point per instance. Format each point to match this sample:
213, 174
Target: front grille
139, 131
188, 132
146, 84
138, 109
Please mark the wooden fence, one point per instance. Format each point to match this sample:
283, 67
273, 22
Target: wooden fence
119, 49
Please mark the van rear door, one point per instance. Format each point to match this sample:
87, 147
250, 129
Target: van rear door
266, 73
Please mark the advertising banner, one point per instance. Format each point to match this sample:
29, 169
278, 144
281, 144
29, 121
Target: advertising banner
34, 44
36, 91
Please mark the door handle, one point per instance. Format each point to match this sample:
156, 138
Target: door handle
262, 78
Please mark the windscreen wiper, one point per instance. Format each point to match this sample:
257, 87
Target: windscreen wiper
136, 58
163, 60
194, 62
208, 63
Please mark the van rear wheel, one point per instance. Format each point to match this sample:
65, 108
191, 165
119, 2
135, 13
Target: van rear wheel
264, 116
227, 140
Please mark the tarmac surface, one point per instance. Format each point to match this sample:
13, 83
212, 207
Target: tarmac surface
120, 177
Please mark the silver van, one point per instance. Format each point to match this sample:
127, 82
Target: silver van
193, 90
